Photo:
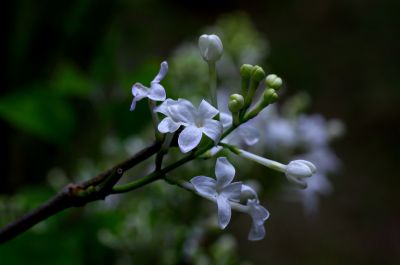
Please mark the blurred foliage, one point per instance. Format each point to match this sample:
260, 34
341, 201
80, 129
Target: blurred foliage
40, 112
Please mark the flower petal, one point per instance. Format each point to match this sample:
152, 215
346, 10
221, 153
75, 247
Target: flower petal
224, 211
157, 92
257, 212
168, 125
161, 74
215, 150
133, 105
204, 186
301, 183
183, 111
232, 191
139, 91
248, 191
163, 108
224, 171
189, 138
212, 129
226, 120
206, 110
249, 134
257, 232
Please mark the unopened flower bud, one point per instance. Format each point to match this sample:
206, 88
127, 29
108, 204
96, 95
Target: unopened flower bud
269, 96
257, 74
245, 70
273, 81
210, 47
297, 170
236, 103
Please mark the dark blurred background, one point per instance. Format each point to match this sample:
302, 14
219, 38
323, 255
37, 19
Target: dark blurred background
69, 67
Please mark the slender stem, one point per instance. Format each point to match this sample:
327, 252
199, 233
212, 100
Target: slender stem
261, 160
164, 150
156, 175
76, 195
155, 120
213, 83
161, 173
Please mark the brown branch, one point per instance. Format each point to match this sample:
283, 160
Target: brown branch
76, 195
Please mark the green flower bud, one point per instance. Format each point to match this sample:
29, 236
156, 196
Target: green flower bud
210, 47
245, 70
236, 103
269, 96
257, 74
273, 81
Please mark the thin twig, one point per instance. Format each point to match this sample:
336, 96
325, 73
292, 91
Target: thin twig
76, 195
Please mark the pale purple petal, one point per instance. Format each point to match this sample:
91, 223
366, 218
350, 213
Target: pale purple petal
248, 191
257, 212
257, 232
215, 150
226, 120
183, 111
301, 183
163, 108
139, 91
162, 73
206, 110
212, 129
224, 211
189, 138
224, 171
249, 134
133, 105
168, 125
232, 191
157, 92
204, 186
300, 169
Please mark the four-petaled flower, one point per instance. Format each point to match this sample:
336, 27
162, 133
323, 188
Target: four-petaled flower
197, 121
155, 92
221, 190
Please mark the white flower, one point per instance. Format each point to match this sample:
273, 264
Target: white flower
258, 214
297, 170
221, 190
197, 121
155, 92
210, 47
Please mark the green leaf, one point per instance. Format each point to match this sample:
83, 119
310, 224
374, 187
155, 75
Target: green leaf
39, 112
69, 81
